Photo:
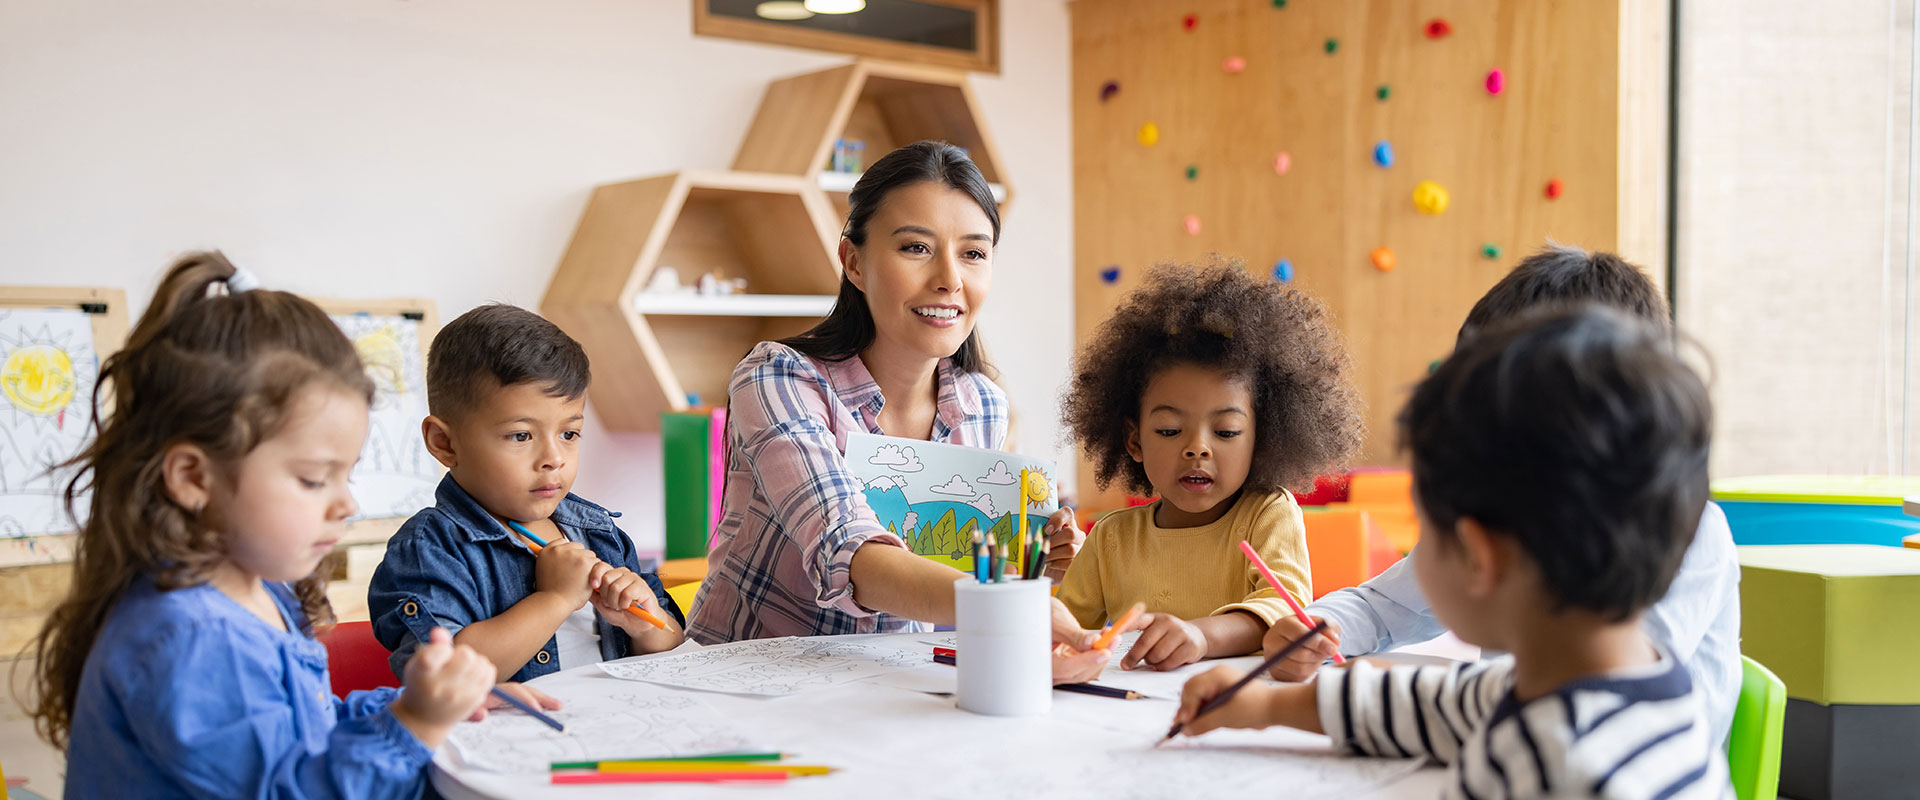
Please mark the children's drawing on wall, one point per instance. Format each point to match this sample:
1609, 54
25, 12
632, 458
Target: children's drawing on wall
396, 475
48, 368
936, 495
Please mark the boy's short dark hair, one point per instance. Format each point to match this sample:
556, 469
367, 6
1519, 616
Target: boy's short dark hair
508, 345
1563, 274
1579, 432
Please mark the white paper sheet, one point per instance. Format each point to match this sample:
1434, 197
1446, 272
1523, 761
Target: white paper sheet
767, 667
48, 369
624, 721
396, 475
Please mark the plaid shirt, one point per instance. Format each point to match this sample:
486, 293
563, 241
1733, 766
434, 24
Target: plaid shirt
782, 560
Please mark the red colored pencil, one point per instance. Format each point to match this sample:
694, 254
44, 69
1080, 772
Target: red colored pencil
564, 778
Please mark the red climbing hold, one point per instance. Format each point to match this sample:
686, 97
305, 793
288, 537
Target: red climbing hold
1438, 28
1555, 188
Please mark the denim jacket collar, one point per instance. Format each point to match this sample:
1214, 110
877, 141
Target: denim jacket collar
472, 519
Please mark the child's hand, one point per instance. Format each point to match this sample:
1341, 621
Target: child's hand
563, 570
1251, 707
617, 588
1168, 642
522, 692
1306, 660
1071, 665
444, 684
1063, 542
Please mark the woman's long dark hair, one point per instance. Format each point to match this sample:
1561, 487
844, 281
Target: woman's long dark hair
848, 328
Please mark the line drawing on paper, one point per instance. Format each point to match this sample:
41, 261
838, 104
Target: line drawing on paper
396, 475
767, 666
616, 725
48, 369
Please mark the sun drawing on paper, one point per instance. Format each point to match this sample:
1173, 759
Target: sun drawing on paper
47, 372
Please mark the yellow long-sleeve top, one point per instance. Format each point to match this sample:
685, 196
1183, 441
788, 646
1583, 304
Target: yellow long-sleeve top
1190, 572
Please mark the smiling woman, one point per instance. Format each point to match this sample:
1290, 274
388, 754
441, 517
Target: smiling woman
797, 551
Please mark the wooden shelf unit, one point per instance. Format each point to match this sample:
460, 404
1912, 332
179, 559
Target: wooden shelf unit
776, 231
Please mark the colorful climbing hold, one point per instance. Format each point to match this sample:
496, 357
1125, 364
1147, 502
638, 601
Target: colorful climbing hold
1110, 275
1383, 91
1490, 251
1193, 171
1496, 82
1283, 270
1279, 3
1108, 90
1430, 198
1438, 28
1382, 259
1189, 21
1383, 154
1193, 225
1555, 188
1282, 162
1234, 65
1333, 46
1149, 134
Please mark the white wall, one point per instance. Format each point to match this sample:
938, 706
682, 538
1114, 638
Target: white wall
444, 149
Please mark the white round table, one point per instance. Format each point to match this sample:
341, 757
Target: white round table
887, 740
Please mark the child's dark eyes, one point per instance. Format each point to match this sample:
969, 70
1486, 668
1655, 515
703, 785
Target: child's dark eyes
315, 485
571, 436
1226, 434
1167, 431
520, 436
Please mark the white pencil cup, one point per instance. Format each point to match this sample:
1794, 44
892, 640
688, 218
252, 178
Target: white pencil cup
1005, 643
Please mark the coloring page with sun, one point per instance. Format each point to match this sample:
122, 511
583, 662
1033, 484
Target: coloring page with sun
935, 495
396, 475
48, 368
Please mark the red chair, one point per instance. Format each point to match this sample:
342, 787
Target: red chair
355, 660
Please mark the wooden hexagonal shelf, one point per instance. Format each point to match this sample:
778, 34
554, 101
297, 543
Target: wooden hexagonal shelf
884, 104
649, 349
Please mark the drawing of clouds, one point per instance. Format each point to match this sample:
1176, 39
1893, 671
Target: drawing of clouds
954, 488
886, 482
985, 504
999, 475
897, 457
912, 521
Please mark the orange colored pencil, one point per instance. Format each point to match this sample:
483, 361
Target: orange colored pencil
564, 778
538, 545
1106, 637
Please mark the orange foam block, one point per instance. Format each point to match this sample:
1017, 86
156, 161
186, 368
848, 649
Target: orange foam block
1344, 549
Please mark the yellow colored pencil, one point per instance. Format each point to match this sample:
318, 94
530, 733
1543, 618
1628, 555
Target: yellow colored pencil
711, 766
1022, 552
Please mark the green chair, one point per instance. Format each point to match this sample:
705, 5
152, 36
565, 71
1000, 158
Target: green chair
1753, 745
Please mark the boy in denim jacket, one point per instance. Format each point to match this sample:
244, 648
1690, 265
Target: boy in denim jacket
507, 394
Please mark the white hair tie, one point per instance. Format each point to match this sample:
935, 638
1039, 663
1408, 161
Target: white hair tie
241, 281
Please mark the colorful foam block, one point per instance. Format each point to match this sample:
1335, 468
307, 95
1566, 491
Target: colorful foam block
1840, 624
1817, 509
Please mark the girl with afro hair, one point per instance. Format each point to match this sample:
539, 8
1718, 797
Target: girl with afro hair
1216, 391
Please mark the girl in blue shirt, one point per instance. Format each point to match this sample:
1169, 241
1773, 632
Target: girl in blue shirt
182, 664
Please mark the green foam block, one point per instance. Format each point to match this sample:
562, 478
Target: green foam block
1837, 623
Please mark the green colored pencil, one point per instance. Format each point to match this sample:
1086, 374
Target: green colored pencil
662, 759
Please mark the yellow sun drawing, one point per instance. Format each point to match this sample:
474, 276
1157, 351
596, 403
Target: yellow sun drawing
386, 363
38, 379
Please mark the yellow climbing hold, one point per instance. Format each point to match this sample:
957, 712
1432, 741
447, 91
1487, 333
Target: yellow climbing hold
1429, 197
1149, 134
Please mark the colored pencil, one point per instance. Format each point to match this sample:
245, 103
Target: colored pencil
635, 609
567, 778
1100, 691
1227, 694
1036, 559
1106, 637
979, 557
589, 765
1298, 612
1022, 552
640, 767
531, 711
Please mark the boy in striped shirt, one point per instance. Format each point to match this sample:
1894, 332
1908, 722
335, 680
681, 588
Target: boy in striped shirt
1559, 465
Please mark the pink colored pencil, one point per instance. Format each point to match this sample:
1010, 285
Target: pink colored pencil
564, 778
1298, 612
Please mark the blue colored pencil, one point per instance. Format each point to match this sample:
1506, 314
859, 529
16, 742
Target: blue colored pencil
531, 711
979, 557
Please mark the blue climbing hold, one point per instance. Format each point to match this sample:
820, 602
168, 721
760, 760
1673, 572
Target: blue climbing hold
1383, 154
1283, 270
1110, 275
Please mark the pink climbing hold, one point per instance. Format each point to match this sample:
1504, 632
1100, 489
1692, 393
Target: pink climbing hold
1496, 82
1282, 163
1234, 65
1193, 225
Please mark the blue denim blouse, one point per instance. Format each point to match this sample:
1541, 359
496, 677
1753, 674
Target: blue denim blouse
453, 565
186, 694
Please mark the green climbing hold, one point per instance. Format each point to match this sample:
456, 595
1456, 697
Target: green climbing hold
1279, 3
1490, 250
1382, 92
1193, 171
1332, 46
